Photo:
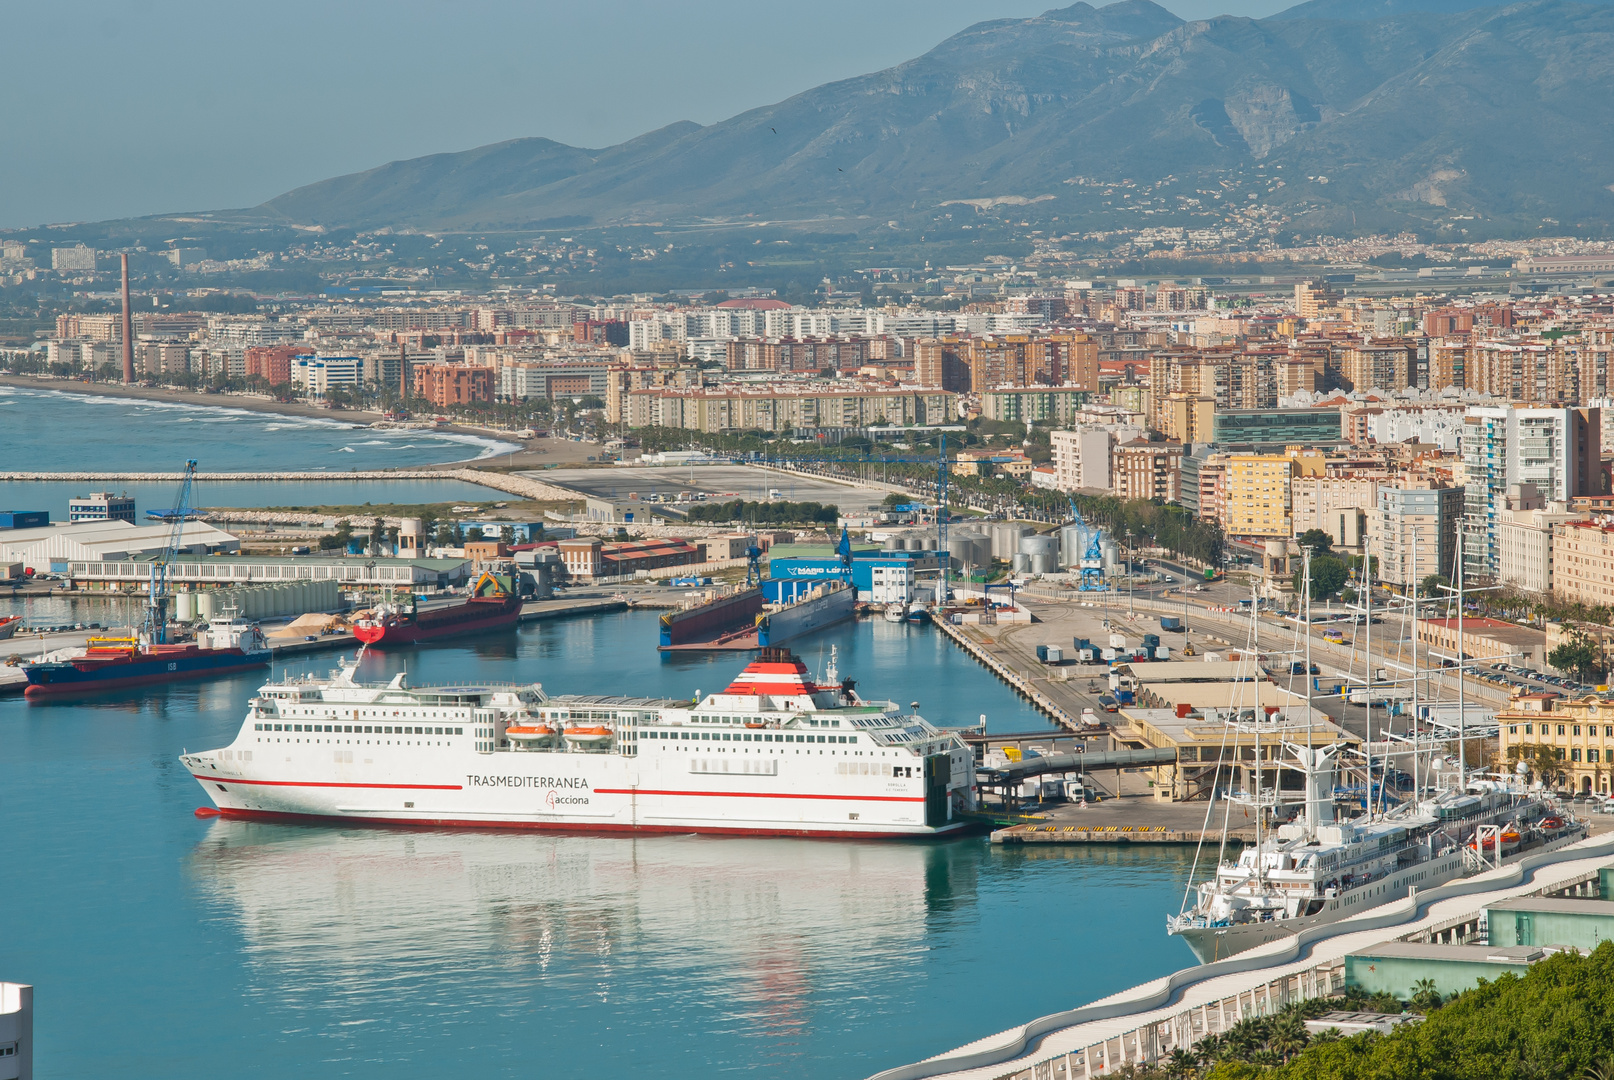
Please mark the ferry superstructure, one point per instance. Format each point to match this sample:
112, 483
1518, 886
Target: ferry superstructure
776, 752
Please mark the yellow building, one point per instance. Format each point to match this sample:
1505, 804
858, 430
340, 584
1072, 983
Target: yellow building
1257, 495
1577, 737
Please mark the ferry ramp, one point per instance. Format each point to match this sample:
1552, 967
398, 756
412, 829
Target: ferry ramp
1147, 1022
1079, 762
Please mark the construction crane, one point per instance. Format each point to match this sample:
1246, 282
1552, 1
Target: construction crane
940, 461
753, 563
156, 627
1092, 561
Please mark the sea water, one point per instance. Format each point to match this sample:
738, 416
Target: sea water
51, 430
165, 945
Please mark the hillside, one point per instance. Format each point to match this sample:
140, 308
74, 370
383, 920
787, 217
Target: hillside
1439, 116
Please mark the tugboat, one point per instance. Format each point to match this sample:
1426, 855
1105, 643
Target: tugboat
492, 604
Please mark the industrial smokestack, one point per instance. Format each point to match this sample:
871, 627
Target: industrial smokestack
128, 329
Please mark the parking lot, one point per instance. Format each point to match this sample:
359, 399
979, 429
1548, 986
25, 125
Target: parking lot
716, 482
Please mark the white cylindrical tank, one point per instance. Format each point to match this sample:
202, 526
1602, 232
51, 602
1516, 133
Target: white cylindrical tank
983, 550
1022, 562
1040, 545
1071, 546
206, 605
1112, 557
185, 606
1044, 564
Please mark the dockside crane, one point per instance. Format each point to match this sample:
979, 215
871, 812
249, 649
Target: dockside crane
157, 591
1092, 561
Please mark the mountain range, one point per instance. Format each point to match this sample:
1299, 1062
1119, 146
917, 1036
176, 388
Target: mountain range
1443, 116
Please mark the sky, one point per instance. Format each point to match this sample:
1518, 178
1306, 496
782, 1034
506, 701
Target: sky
133, 107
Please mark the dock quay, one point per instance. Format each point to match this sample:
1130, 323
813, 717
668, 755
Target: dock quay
1127, 819
510, 483
1114, 834
1145, 1024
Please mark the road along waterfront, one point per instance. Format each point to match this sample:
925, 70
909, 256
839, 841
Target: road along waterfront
328, 951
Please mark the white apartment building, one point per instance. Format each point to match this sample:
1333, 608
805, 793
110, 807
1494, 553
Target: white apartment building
1439, 425
319, 374
891, 582
1524, 538
1083, 458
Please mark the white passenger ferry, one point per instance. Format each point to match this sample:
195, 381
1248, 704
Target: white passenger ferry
775, 752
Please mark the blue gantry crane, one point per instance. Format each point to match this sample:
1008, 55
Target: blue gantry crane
157, 591
1092, 560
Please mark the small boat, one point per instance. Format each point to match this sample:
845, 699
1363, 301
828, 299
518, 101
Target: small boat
896, 613
918, 613
529, 734
9, 624
1510, 841
587, 734
1551, 826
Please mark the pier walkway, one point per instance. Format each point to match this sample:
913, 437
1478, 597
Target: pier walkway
509, 483
1147, 1022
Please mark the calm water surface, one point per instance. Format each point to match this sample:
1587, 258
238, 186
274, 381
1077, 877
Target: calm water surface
163, 945
53, 430
52, 495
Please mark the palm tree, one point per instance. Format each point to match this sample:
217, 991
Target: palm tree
1182, 1065
1208, 1051
1288, 1035
1245, 1037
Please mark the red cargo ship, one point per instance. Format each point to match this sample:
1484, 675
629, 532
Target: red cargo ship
492, 605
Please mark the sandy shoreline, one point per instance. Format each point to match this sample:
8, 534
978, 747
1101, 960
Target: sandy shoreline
534, 453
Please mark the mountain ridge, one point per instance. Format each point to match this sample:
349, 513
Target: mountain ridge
1399, 115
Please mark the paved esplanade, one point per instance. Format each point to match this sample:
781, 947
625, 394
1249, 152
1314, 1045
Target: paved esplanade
1574, 861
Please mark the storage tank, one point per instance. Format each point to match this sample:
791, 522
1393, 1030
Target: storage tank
1071, 547
1044, 564
206, 601
1022, 562
1112, 557
894, 543
962, 549
1040, 545
1006, 540
185, 606
983, 550
914, 543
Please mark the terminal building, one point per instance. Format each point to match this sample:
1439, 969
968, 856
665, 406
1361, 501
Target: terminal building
101, 506
55, 547
352, 571
878, 575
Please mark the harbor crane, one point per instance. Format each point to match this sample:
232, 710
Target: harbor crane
1092, 561
157, 590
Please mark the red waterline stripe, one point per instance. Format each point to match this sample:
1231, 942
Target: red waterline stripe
761, 795
314, 783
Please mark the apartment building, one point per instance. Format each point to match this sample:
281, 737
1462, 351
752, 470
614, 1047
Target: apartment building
1338, 505
1524, 538
1019, 405
1148, 470
1414, 532
1583, 561
1381, 365
1082, 458
1557, 449
845, 403
1256, 503
454, 384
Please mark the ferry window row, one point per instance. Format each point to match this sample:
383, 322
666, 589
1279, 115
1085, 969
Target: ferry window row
361, 729
1546, 729
746, 736
812, 720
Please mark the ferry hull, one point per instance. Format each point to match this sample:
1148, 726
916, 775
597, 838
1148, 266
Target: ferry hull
796, 793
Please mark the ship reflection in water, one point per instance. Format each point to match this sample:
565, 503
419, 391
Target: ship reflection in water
727, 953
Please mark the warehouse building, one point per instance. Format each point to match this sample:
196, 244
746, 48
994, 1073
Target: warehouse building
356, 571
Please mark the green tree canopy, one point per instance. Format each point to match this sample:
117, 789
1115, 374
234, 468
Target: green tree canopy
1319, 542
1578, 655
1328, 575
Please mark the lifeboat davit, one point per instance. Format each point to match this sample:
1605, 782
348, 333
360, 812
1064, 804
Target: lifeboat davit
1551, 826
588, 734
528, 734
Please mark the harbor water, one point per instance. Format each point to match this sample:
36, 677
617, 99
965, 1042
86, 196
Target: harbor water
52, 495
157, 436
281, 950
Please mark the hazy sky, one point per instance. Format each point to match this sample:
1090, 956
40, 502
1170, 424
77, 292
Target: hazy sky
123, 107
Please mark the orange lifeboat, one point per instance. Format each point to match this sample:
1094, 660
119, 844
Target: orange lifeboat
528, 734
588, 734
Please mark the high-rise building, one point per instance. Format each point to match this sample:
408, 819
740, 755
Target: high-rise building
1524, 538
1148, 470
1082, 458
77, 257
1557, 449
1414, 533
1256, 502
